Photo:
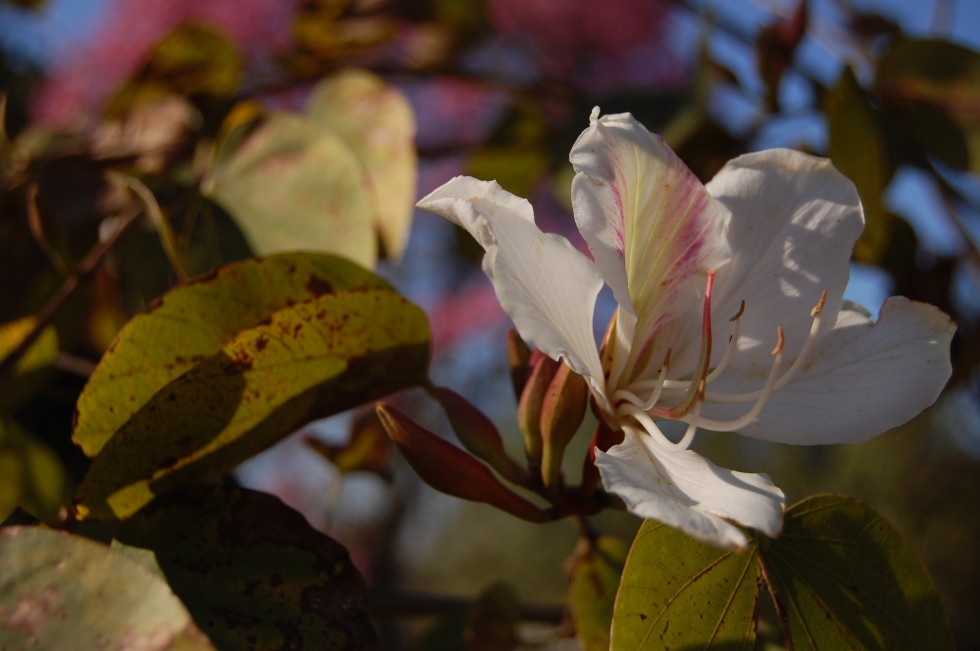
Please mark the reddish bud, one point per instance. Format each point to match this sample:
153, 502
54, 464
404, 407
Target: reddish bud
603, 439
478, 434
449, 469
543, 369
561, 415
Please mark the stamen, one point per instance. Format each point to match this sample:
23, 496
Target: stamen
770, 388
650, 426
732, 344
657, 385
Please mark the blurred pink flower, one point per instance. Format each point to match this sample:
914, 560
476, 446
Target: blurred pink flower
84, 79
622, 43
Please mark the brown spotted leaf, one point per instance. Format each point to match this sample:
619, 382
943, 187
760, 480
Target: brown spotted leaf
253, 573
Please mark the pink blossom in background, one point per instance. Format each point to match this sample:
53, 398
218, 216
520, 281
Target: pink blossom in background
617, 44
81, 83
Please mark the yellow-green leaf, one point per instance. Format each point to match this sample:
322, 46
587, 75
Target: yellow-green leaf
31, 474
192, 323
677, 593
253, 573
19, 384
596, 572
858, 150
59, 591
375, 120
292, 184
310, 359
843, 578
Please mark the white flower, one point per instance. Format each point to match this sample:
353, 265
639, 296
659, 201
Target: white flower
731, 315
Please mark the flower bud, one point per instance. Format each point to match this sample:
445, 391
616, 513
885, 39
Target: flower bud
543, 369
519, 361
478, 434
561, 415
450, 470
603, 439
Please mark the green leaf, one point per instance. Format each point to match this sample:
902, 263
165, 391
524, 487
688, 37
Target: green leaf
375, 120
843, 578
595, 576
59, 591
857, 148
228, 365
253, 573
25, 377
31, 474
293, 184
933, 87
677, 593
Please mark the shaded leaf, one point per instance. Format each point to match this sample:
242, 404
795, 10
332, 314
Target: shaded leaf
595, 577
492, 622
193, 59
375, 120
312, 359
253, 573
31, 474
678, 593
933, 87
843, 578
293, 184
193, 322
59, 591
20, 383
857, 148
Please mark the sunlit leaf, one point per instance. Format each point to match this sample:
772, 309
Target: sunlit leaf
293, 184
375, 120
31, 474
59, 591
595, 578
253, 573
677, 593
23, 379
933, 87
194, 59
857, 148
843, 578
192, 323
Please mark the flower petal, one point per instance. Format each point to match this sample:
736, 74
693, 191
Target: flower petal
547, 287
683, 489
794, 223
861, 379
651, 226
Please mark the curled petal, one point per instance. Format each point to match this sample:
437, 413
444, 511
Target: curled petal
651, 226
683, 489
547, 287
861, 379
795, 220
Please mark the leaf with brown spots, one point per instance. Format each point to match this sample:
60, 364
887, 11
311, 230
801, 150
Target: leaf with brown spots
311, 359
253, 574
59, 591
191, 324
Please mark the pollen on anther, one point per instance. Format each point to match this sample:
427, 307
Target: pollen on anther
741, 311
818, 308
779, 341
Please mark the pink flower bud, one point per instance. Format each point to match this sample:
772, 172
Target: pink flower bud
478, 434
543, 369
561, 415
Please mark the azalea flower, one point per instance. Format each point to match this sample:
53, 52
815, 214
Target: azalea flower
730, 315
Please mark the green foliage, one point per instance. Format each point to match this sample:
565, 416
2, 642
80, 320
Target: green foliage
31, 474
26, 375
255, 351
840, 577
595, 576
50, 581
253, 573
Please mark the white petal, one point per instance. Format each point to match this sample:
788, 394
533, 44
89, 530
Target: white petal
794, 223
862, 378
547, 287
683, 489
651, 226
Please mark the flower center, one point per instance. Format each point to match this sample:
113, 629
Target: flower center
628, 404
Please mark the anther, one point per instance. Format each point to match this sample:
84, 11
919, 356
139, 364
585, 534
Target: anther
818, 308
779, 342
741, 311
